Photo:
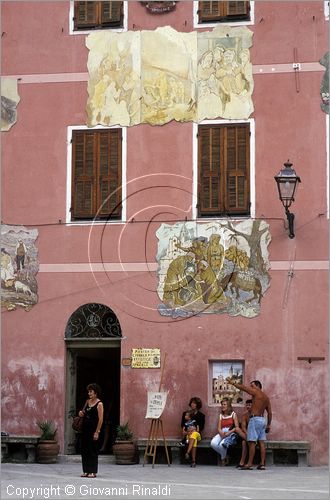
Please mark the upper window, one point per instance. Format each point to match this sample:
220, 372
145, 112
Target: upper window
223, 169
96, 174
217, 12
98, 15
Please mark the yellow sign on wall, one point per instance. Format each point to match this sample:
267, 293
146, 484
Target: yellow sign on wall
145, 358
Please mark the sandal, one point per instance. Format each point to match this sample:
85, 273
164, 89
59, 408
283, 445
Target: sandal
193, 464
84, 474
91, 475
247, 467
261, 467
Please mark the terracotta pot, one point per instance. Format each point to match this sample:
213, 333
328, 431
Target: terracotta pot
47, 452
125, 452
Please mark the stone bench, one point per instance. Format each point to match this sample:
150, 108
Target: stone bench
19, 448
299, 448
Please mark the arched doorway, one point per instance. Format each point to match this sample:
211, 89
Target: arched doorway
93, 336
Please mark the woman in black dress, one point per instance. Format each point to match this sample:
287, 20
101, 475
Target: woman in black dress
195, 404
93, 419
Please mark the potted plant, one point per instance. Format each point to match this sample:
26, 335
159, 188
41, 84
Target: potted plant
47, 448
124, 449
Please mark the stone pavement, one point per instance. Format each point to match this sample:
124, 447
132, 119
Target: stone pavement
62, 481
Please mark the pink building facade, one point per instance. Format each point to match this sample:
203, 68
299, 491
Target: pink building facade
45, 365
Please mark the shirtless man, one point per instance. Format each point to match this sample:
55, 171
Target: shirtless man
258, 426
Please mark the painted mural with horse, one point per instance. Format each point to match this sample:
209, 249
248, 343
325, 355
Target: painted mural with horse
213, 268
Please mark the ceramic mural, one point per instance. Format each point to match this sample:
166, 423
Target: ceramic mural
215, 267
19, 266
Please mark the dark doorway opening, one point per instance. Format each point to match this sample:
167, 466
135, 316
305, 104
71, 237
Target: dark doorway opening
101, 366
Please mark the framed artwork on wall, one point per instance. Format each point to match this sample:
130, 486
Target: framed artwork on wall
219, 388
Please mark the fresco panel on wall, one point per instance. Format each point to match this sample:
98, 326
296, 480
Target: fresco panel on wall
9, 101
214, 267
19, 266
153, 76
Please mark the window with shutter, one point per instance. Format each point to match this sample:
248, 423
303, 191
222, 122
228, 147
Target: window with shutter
216, 12
96, 174
98, 15
223, 169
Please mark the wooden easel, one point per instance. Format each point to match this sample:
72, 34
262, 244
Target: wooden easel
155, 427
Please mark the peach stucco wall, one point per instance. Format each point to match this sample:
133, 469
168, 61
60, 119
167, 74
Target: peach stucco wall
293, 321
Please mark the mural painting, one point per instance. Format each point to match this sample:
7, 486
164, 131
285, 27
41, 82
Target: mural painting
114, 78
225, 82
19, 266
216, 267
220, 387
162, 75
168, 68
325, 83
9, 101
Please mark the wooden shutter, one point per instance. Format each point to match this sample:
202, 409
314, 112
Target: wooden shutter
223, 11
111, 14
85, 15
89, 15
84, 175
237, 168
237, 9
209, 153
110, 173
96, 174
224, 169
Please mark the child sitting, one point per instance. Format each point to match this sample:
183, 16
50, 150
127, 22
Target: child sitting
193, 438
188, 422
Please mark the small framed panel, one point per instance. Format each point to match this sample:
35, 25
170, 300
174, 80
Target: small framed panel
219, 388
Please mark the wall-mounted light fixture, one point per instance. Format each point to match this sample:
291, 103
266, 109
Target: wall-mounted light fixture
287, 181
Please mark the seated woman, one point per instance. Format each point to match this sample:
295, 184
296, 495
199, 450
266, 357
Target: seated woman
195, 404
228, 426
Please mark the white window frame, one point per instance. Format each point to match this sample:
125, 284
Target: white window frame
252, 169
68, 220
232, 23
326, 10
87, 32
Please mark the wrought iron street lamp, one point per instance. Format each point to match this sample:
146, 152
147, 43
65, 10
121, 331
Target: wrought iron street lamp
287, 181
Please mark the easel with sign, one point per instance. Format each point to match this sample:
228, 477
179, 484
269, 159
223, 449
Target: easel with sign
156, 430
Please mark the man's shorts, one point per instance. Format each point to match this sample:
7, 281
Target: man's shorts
256, 429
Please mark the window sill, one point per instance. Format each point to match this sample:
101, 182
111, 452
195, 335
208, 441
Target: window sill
94, 222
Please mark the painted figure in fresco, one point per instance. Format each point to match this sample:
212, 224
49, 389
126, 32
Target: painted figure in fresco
20, 252
258, 426
7, 269
227, 75
212, 291
209, 102
215, 253
198, 248
218, 53
178, 278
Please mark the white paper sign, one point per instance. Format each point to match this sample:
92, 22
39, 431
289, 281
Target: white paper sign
156, 404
